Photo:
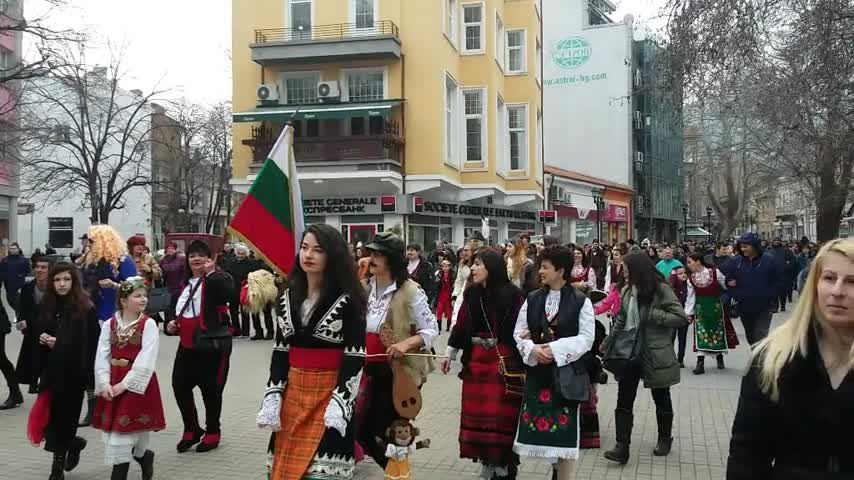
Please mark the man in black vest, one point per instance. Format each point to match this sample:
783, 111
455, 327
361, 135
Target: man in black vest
554, 332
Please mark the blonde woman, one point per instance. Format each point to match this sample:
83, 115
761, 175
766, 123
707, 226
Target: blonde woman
517, 262
796, 411
460, 284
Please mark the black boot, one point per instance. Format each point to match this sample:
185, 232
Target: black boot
15, 398
189, 439
56, 468
665, 429
268, 323
700, 368
73, 457
120, 471
90, 408
624, 421
147, 464
721, 364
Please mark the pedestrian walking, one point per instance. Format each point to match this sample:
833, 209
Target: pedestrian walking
239, 269
129, 405
492, 371
443, 305
667, 263
795, 412
175, 275
29, 306
15, 397
146, 266
754, 280
461, 282
518, 263
68, 333
554, 333
582, 272
317, 363
15, 269
598, 261
397, 308
648, 303
420, 270
714, 335
204, 348
679, 283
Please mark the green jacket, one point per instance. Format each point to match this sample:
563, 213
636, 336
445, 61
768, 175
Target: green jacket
660, 368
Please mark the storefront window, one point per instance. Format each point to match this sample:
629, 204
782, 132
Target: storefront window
585, 232
428, 235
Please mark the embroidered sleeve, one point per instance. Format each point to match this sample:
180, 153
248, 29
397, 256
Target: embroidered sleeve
137, 379
690, 300
102, 360
522, 336
425, 320
339, 411
721, 279
591, 279
271, 406
568, 350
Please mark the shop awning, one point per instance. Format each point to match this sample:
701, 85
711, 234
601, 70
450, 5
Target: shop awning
698, 232
320, 111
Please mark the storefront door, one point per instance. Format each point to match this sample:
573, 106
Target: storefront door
361, 233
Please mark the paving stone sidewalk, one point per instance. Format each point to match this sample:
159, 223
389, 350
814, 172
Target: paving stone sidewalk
704, 406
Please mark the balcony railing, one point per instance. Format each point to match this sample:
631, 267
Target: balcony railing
340, 31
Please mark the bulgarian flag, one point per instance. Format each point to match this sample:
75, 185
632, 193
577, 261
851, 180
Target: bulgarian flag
270, 218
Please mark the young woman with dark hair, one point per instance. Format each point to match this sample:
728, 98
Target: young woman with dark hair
484, 334
317, 362
648, 303
581, 272
68, 333
679, 283
713, 332
201, 308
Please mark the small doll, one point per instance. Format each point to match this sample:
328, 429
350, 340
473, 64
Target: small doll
401, 444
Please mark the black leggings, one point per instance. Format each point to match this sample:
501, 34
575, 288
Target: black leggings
627, 390
379, 414
6, 366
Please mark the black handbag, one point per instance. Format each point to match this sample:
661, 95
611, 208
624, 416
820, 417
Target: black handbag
624, 348
159, 300
216, 338
573, 381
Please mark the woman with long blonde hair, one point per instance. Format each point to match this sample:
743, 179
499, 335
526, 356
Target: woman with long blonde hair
796, 410
517, 261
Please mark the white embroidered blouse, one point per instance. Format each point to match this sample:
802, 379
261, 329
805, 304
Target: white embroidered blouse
565, 350
702, 278
137, 378
578, 271
425, 321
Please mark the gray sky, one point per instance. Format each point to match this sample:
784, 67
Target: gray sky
184, 44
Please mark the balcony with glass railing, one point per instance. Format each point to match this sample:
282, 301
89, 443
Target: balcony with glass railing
326, 43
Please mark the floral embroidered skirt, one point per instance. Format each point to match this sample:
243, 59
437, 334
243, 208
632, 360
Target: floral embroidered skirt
489, 416
548, 425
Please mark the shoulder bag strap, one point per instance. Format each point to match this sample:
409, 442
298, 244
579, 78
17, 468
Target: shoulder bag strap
190, 299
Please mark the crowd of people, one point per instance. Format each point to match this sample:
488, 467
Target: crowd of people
354, 330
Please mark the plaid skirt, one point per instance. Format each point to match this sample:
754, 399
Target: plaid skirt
305, 399
489, 416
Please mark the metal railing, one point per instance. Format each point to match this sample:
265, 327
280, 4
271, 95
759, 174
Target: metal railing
382, 28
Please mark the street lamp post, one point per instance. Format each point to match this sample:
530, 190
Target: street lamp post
600, 206
709, 217
685, 222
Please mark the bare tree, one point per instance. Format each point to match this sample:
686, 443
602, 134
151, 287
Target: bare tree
219, 150
82, 136
799, 55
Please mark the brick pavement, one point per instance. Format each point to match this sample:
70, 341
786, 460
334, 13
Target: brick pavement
704, 409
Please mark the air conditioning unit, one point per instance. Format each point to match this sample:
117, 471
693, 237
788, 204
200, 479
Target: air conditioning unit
638, 120
268, 93
567, 198
329, 91
638, 166
638, 77
640, 204
639, 157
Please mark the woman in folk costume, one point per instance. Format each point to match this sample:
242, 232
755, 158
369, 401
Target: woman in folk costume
442, 304
484, 335
67, 333
129, 406
581, 272
713, 332
104, 267
554, 333
202, 360
317, 363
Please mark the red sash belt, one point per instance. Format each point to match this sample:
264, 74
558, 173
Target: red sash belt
374, 346
316, 358
187, 330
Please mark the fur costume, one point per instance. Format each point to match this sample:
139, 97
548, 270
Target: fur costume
262, 291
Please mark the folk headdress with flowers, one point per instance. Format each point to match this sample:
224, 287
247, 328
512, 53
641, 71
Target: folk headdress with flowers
128, 286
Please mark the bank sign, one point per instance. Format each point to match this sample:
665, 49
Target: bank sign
350, 205
568, 55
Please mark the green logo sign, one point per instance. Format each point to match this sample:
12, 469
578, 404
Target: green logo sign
572, 52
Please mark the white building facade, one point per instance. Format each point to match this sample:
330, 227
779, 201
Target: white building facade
44, 219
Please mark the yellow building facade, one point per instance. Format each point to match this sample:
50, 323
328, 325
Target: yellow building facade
418, 115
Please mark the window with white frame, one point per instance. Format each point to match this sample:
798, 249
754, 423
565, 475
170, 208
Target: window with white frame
300, 88
300, 11
364, 13
452, 139
451, 20
538, 61
474, 114
516, 51
365, 85
500, 135
499, 41
517, 123
472, 31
